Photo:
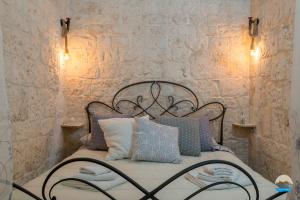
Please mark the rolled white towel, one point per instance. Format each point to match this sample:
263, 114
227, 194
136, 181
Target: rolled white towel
94, 170
104, 185
101, 177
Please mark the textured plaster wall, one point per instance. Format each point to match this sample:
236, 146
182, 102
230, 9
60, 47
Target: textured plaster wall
31, 43
270, 80
201, 44
295, 105
5, 140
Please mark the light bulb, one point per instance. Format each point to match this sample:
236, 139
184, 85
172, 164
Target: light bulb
255, 53
66, 56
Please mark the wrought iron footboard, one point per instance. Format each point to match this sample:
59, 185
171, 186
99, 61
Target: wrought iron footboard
147, 194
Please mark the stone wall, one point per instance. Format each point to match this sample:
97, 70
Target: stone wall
201, 44
295, 106
270, 80
5, 141
31, 35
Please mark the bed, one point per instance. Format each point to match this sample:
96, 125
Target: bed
149, 175
150, 180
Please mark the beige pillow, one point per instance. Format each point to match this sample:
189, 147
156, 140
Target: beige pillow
118, 134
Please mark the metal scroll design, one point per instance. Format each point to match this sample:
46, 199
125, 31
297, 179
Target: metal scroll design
156, 92
189, 105
48, 194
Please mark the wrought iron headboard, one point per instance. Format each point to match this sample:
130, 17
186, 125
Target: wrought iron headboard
177, 101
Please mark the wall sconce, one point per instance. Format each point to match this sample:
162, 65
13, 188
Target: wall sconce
65, 27
253, 32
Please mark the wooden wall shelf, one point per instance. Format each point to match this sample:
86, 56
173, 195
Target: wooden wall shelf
72, 125
237, 125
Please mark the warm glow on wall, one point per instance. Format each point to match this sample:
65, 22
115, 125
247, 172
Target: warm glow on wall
61, 59
255, 53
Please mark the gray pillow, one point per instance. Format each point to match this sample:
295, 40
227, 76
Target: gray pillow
189, 137
194, 134
155, 142
97, 141
206, 135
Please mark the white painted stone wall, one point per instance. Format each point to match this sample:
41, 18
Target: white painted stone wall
295, 106
31, 39
201, 44
270, 80
5, 140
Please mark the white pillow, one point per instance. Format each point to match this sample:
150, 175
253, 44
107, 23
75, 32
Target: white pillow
118, 136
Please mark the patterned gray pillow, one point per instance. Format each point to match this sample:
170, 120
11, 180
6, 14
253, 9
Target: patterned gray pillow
97, 141
189, 137
206, 135
194, 133
155, 142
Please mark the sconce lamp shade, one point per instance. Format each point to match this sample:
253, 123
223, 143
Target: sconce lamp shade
65, 27
253, 26
253, 32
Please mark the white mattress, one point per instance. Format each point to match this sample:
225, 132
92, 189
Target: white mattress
149, 175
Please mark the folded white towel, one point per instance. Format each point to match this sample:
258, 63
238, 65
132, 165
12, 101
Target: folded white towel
201, 180
222, 171
93, 170
218, 171
212, 178
104, 185
101, 177
217, 174
193, 179
221, 174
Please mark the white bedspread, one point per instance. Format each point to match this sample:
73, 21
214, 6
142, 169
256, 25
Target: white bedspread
149, 175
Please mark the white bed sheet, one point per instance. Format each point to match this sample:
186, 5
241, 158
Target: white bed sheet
149, 175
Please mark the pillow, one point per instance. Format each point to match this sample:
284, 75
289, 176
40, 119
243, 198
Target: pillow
189, 137
155, 142
118, 136
206, 135
97, 141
